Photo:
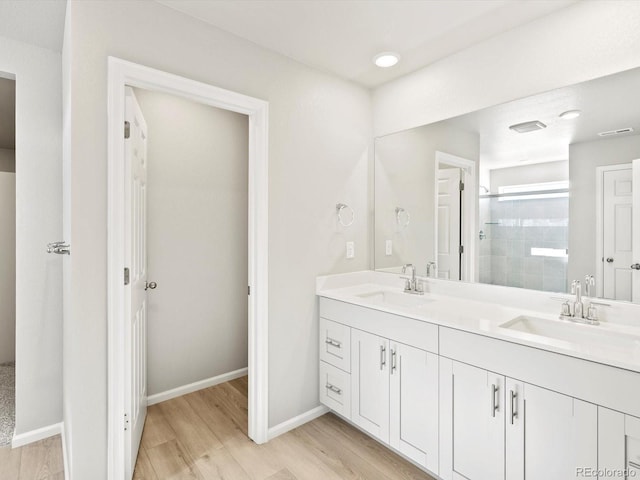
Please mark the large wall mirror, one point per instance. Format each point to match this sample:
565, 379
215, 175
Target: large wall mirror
533, 193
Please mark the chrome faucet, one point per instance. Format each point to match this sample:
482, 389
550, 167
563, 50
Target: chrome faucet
575, 311
411, 285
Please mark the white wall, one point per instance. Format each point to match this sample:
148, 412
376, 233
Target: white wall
7, 160
7, 267
584, 157
405, 177
196, 239
583, 41
319, 145
38, 221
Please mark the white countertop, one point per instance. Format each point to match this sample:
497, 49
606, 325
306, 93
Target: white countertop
459, 306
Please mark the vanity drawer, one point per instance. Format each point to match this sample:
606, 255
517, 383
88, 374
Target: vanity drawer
335, 344
335, 389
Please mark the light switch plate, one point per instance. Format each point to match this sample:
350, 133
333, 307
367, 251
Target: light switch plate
388, 247
351, 249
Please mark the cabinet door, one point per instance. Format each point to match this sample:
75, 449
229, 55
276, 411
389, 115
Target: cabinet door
478, 424
414, 404
618, 443
561, 435
370, 383
514, 431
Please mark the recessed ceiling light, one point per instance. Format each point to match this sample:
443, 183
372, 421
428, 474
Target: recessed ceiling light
570, 114
386, 59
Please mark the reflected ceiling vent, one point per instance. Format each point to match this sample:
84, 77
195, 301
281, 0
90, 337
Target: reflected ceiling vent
620, 131
528, 126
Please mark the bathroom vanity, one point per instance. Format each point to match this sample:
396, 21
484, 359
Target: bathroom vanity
480, 382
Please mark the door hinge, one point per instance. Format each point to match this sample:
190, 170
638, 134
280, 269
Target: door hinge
127, 129
461, 186
461, 250
126, 276
249, 290
126, 422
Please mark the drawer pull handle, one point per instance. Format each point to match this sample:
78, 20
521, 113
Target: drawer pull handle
334, 389
634, 464
333, 343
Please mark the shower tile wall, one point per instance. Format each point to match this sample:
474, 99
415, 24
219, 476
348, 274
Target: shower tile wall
512, 228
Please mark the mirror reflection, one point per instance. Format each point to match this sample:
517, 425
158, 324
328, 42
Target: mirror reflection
534, 193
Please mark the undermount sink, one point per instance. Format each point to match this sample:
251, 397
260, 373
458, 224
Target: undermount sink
573, 332
395, 299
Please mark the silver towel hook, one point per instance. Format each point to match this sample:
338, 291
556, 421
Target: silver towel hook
339, 208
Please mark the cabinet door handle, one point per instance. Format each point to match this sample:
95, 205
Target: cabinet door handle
383, 356
514, 405
393, 360
495, 407
333, 343
334, 389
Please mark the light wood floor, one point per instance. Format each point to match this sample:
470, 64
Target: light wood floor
203, 435
37, 461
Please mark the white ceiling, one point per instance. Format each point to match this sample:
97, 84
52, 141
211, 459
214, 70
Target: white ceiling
7, 114
37, 22
343, 36
607, 103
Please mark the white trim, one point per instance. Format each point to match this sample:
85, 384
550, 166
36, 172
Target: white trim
295, 422
26, 438
195, 386
599, 276
65, 454
469, 205
121, 73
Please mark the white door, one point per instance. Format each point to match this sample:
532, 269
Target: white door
136, 261
370, 383
449, 218
478, 424
635, 258
413, 411
617, 225
561, 435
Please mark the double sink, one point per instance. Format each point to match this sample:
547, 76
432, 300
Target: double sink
598, 337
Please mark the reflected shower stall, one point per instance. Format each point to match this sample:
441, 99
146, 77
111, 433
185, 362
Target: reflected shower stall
523, 237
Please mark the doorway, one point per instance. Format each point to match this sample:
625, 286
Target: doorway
615, 217
7, 259
122, 74
455, 217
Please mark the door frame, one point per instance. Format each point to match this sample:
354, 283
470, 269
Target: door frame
599, 259
469, 208
121, 73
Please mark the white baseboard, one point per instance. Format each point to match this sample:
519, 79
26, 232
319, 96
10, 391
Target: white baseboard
35, 435
295, 422
194, 387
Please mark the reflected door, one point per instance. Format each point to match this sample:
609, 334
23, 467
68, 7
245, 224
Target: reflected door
635, 243
617, 239
449, 224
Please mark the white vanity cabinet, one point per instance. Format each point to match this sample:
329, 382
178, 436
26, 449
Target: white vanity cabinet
618, 444
496, 437
393, 377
